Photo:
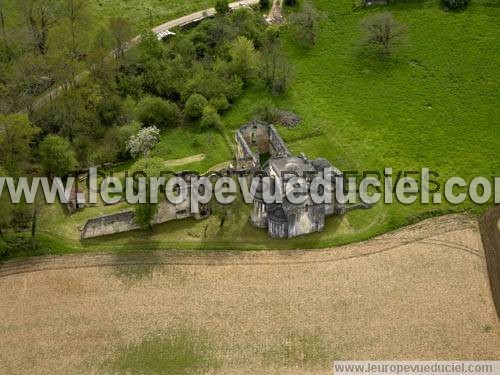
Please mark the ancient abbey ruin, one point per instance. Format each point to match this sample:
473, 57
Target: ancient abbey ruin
258, 140
259, 150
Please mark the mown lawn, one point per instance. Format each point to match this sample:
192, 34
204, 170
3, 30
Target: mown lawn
434, 103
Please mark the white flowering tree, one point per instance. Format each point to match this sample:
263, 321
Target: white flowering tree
141, 144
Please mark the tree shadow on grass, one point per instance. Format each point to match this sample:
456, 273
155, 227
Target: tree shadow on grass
369, 58
133, 267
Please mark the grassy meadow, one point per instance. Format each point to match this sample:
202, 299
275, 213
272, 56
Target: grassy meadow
434, 103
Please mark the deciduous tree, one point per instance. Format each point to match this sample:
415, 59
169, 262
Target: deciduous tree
243, 58
274, 68
304, 25
56, 156
40, 16
158, 112
16, 137
121, 32
75, 14
383, 31
195, 105
145, 212
140, 145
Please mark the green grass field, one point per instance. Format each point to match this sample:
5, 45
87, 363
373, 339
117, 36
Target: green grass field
142, 14
147, 13
433, 104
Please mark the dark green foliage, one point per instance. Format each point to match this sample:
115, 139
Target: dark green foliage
210, 118
144, 214
264, 4
202, 71
150, 167
150, 47
244, 59
220, 103
158, 112
116, 139
56, 156
22, 215
110, 110
3, 247
14, 246
456, 4
291, 2
16, 137
195, 105
222, 6
211, 84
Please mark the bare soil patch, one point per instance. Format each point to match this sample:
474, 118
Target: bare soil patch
418, 293
184, 161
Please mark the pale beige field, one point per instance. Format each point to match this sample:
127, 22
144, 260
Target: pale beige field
418, 293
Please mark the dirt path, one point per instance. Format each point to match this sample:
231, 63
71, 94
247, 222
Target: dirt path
276, 14
418, 293
184, 161
424, 232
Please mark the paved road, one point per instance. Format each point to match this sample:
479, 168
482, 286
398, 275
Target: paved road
161, 29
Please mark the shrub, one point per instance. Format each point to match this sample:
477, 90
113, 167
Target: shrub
18, 246
211, 118
3, 247
267, 112
222, 6
220, 103
456, 4
140, 145
290, 2
195, 105
57, 156
152, 111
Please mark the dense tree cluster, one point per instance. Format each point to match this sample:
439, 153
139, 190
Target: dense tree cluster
107, 92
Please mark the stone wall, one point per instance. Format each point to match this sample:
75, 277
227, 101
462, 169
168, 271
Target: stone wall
125, 221
256, 138
110, 224
277, 144
306, 220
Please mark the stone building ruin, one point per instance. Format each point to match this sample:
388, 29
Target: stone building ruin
260, 146
259, 149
